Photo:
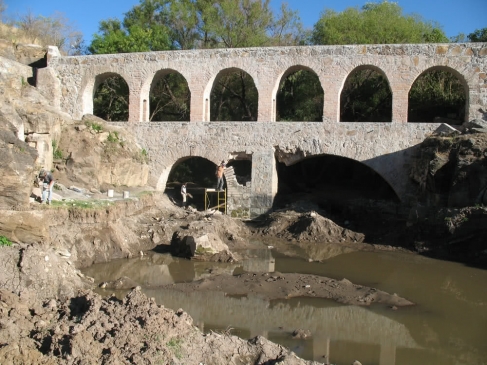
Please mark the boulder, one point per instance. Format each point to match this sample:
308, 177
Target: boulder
182, 246
191, 245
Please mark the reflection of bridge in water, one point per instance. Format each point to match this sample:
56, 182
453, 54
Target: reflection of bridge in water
332, 325
349, 324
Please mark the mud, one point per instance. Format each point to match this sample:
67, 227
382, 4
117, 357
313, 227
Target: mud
284, 286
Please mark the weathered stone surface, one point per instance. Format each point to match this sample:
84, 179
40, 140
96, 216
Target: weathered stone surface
100, 158
24, 226
29, 54
13, 76
17, 166
186, 245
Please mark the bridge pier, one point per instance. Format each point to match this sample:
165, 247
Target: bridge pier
264, 182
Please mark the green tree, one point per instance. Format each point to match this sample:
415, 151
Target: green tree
234, 97
111, 99
170, 99
300, 98
366, 97
375, 23
480, 35
436, 93
116, 38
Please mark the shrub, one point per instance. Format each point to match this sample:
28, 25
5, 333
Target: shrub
57, 154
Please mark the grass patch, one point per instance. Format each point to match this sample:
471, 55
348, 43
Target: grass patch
200, 250
4, 241
82, 204
175, 345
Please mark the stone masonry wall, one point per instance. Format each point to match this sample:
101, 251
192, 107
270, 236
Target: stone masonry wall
400, 64
387, 148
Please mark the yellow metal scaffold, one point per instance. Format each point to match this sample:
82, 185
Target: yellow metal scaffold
221, 199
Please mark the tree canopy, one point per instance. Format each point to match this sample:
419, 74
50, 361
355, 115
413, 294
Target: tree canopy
375, 23
479, 35
155, 25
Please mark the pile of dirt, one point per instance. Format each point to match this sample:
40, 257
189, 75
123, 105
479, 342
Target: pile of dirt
90, 330
305, 227
450, 217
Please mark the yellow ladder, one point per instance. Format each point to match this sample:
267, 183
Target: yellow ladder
221, 197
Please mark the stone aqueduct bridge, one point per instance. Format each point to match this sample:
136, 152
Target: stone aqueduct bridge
387, 148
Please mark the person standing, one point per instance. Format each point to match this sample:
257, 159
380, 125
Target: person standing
47, 184
184, 194
219, 176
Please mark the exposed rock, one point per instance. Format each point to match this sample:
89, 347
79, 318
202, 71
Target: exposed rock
17, 166
100, 158
183, 246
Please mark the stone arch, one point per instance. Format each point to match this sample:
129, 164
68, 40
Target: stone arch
282, 77
92, 85
148, 86
459, 76
163, 170
387, 93
364, 175
211, 85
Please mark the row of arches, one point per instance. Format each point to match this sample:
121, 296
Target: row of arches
308, 179
365, 97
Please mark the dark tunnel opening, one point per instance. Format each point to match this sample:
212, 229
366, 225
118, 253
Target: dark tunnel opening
341, 186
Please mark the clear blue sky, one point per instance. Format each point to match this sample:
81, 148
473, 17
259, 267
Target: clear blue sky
454, 16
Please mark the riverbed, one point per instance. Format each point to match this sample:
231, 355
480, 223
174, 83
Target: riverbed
448, 324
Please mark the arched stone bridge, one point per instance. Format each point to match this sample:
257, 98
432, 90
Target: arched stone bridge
387, 148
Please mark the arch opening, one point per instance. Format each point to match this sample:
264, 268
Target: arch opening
438, 95
198, 173
169, 97
345, 189
111, 98
300, 96
234, 97
366, 96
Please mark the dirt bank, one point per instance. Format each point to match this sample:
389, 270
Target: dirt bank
87, 329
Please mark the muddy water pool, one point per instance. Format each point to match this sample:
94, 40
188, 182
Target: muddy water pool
448, 324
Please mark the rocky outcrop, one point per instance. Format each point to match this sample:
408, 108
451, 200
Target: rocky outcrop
27, 54
17, 167
99, 156
34, 134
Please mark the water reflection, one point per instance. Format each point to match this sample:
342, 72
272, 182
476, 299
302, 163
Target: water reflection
447, 326
278, 319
